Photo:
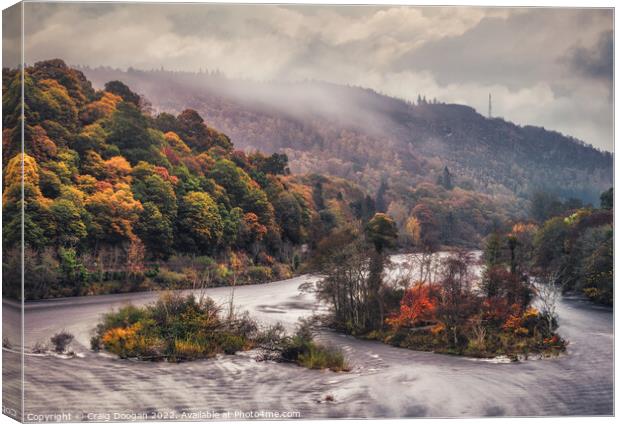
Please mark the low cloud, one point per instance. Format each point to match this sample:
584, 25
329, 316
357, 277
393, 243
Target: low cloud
596, 61
538, 63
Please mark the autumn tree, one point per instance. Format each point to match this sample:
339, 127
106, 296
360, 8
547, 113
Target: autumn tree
69, 220
422, 228
114, 212
199, 225
344, 261
192, 128
156, 231
417, 307
128, 130
382, 233
242, 190
107, 185
36, 222
121, 90
289, 214
456, 300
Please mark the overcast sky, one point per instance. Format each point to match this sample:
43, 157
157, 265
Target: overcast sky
549, 67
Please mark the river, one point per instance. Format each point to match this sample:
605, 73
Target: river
384, 382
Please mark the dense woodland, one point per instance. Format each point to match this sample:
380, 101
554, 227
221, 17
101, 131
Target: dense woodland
373, 139
117, 198
446, 310
440, 305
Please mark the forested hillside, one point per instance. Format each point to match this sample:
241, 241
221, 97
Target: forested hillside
121, 195
118, 198
361, 135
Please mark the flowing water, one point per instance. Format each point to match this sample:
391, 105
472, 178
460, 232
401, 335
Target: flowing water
384, 381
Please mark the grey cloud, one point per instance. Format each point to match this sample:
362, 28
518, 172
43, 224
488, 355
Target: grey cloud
534, 60
595, 62
511, 51
485, 54
11, 36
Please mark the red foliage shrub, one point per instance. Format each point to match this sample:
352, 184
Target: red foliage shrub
417, 306
171, 155
163, 172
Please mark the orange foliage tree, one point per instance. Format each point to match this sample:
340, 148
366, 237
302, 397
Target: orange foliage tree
417, 306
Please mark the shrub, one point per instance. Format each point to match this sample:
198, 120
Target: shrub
244, 325
40, 347
281, 271
188, 349
125, 316
61, 340
303, 350
231, 343
170, 279
259, 274
323, 357
175, 327
181, 328
296, 262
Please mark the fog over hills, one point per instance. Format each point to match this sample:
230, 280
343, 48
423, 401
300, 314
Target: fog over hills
367, 137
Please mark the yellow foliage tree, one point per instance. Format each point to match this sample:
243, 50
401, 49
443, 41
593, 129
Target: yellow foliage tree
413, 229
176, 143
118, 170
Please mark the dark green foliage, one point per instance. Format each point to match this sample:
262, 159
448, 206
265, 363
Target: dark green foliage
70, 228
120, 89
200, 225
578, 251
380, 201
446, 179
276, 164
71, 272
494, 250
545, 205
50, 184
381, 232
289, 215
156, 231
607, 199
191, 127
595, 270
147, 186
550, 246
128, 130
242, 190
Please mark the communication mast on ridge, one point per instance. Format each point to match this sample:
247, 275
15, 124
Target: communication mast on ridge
490, 108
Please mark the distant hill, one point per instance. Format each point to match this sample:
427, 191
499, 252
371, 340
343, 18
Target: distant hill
364, 136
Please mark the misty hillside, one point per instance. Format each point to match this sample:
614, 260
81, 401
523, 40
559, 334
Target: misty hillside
364, 136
